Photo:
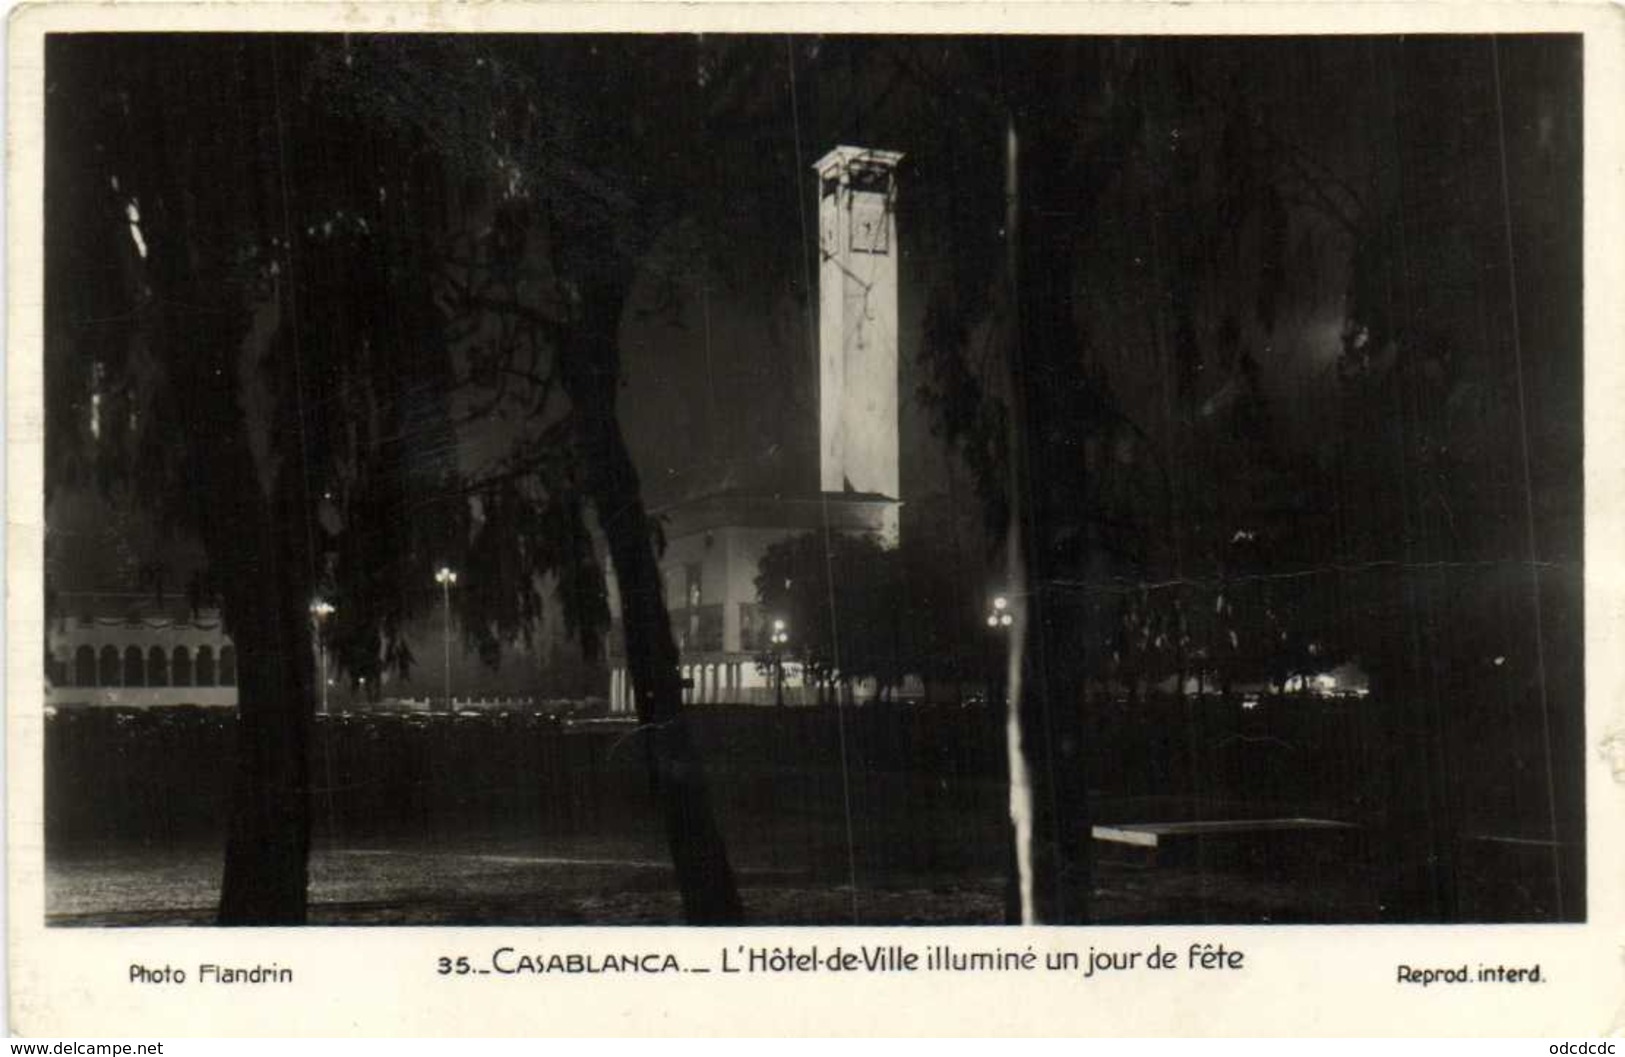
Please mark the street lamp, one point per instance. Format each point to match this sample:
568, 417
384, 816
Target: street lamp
779, 638
445, 578
320, 610
999, 618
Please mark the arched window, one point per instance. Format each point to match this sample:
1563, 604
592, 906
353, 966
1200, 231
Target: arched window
205, 666
181, 666
157, 667
135, 667
107, 668
84, 666
228, 666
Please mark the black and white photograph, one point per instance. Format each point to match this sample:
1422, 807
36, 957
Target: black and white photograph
561, 479
814, 520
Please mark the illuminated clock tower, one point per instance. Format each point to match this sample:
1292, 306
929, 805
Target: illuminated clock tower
857, 324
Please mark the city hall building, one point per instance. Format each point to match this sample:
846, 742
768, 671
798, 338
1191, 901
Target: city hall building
716, 540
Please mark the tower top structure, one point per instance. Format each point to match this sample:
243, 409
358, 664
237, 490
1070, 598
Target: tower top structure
857, 325
844, 157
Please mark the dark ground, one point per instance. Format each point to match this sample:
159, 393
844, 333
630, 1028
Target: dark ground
522, 820
522, 883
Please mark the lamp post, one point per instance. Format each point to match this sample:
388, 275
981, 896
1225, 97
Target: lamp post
780, 637
999, 619
445, 578
320, 610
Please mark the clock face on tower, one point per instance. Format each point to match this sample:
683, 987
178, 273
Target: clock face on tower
871, 232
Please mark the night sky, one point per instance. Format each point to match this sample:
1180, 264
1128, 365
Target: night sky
718, 362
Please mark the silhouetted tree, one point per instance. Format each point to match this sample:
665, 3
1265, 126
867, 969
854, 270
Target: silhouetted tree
859, 611
253, 324
588, 187
1459, 465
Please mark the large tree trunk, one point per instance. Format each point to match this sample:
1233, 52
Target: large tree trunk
1054, 176
704, 877
262, 546
268, 839
1416, 874
268, 843
1048, 706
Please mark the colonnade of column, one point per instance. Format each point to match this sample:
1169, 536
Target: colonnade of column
710, 682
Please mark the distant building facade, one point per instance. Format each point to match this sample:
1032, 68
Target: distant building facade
715, 541
132, 650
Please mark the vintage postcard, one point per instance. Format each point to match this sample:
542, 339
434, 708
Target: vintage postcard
778, 519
